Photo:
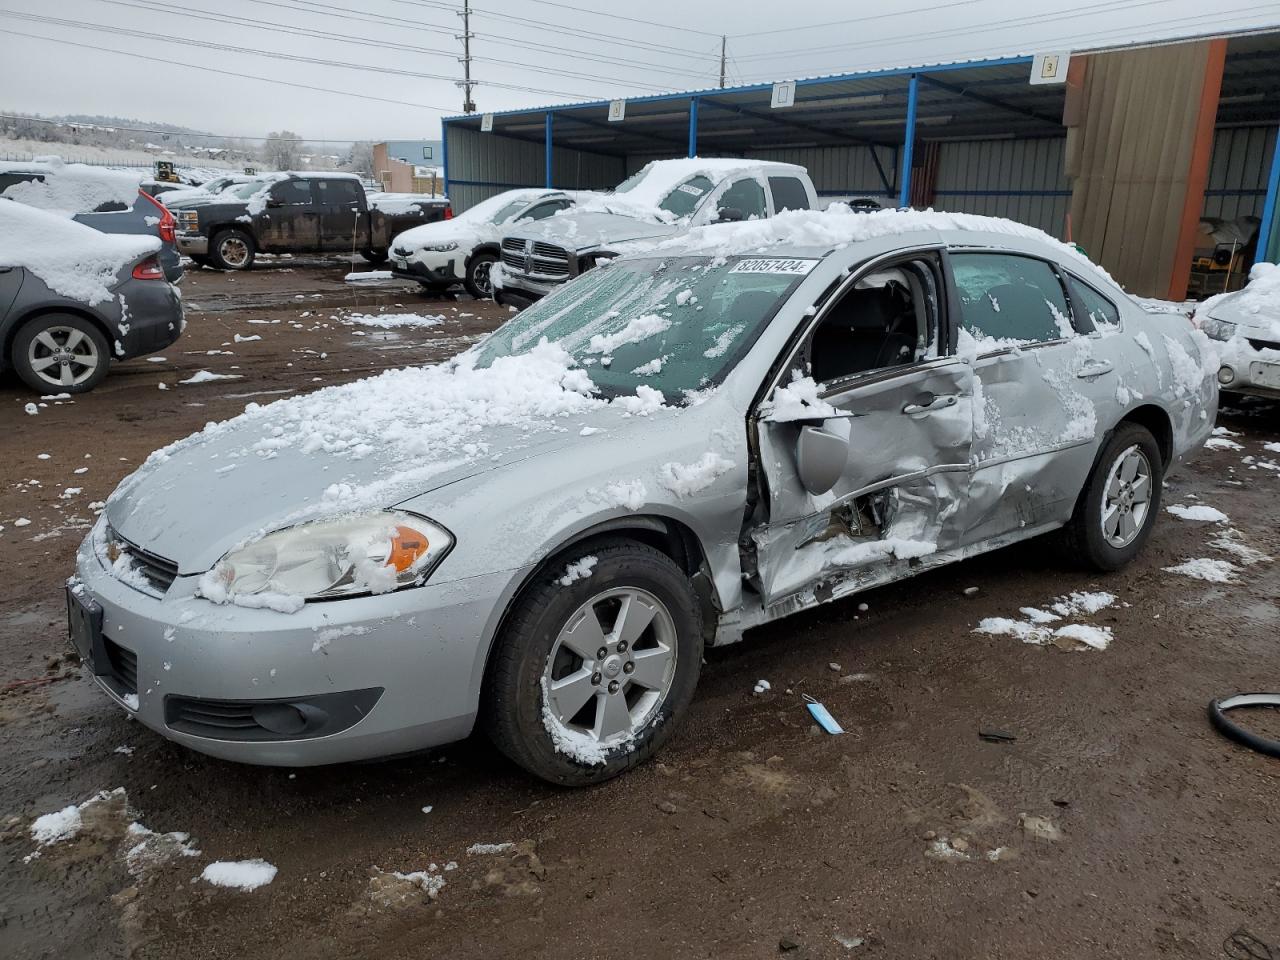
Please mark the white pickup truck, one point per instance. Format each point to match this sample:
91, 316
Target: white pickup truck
665, 198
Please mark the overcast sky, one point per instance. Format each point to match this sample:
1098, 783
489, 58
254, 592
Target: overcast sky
579, 49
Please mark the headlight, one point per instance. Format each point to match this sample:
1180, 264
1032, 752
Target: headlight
377, 553
441, 247
1217, 329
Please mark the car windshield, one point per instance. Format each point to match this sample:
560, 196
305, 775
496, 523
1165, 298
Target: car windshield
496, 209
247, 190
677, 325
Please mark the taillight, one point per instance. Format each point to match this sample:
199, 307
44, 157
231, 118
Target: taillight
448, 213
165, 227
148, 269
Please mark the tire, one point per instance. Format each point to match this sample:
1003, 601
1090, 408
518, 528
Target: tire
40, 346
534, 650
477, 279
374, 256
232, 249
1130, 445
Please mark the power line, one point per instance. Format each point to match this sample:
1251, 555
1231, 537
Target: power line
276, 55
857, 20
155, 6
618, 16
226, 73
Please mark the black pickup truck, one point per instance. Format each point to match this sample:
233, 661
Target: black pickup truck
297, 213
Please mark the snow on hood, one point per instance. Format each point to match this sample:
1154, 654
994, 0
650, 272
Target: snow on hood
348, 449
70, 189
395, 204
584, 230
839, 225
73, 260
1257, 306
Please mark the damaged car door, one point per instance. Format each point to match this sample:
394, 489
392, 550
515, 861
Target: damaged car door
864, 440
1036, 380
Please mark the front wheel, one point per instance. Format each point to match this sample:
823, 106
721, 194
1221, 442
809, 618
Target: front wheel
477, 280
597, 664
1120, 502
232, 250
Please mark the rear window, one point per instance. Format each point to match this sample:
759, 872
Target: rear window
788, 194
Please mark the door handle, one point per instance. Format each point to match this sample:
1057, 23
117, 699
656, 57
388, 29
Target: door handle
1094, 368
937, 403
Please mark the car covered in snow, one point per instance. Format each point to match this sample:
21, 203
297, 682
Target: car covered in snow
73, 298
297, 213
107, 200
203, 191
661, 200
1247, 325
463, 249
540, 536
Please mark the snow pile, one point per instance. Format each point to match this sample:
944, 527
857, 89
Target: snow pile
839, 225
628, 494
73, 260
686, 479
70, 189
1258, 304
391, 321
762, 686
578, 570
637, 329
1037, 628
206, 376
639, 196
239, 874
1232, 541
1212, 571
65, 824
1198, 511
153, 849
482, 849
797, 401
398, 204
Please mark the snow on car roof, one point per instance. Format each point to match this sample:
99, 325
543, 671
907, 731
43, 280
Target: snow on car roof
70, 188
73, 260
838, 226
655, 181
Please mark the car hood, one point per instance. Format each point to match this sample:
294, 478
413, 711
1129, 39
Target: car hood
590, 231
193, 502
1253, 316
461, 232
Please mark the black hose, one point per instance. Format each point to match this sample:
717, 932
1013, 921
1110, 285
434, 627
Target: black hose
1218, 717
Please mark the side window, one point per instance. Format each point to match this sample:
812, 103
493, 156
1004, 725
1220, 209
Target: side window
888, 318
8, 180
747, 197
1006, 296
684, 199
1092, 309
292, 192
541, 211
788, 194
336, 193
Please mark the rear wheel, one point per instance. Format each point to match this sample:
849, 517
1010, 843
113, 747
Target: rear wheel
60, 353
596, 665
477, 280
1116, 512
232, 250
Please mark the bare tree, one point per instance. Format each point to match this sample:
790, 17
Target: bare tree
281, 149
360, 159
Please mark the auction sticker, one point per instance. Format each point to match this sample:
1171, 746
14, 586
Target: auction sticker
774, 265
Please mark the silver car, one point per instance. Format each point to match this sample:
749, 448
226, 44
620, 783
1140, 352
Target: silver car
541, 536
1246, 325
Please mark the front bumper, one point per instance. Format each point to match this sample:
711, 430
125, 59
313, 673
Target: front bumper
429, 267
423, 648
519, 289
1248, 371
193, 244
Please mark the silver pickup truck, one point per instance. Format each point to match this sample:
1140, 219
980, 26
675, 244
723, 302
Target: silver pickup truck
665, 198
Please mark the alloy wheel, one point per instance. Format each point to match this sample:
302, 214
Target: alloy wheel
611, 666
1126, 497
233, 251
63, 356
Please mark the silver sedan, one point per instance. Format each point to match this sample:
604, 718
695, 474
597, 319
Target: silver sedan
541, 536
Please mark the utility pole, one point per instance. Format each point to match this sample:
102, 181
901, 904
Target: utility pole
468, 105
722, 45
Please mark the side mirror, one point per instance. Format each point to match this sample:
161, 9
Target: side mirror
729, 215
821, 456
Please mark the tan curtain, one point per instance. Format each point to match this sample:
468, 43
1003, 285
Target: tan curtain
1139, 130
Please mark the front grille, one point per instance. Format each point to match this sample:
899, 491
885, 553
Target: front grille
155, 570
227, 719
1264, 344
121, 666
540, 260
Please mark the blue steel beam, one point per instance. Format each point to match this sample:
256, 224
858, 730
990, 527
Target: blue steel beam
1266, 234
693, 126
550, 123
909, 142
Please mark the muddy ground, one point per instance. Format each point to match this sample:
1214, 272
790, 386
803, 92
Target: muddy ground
1116, 824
